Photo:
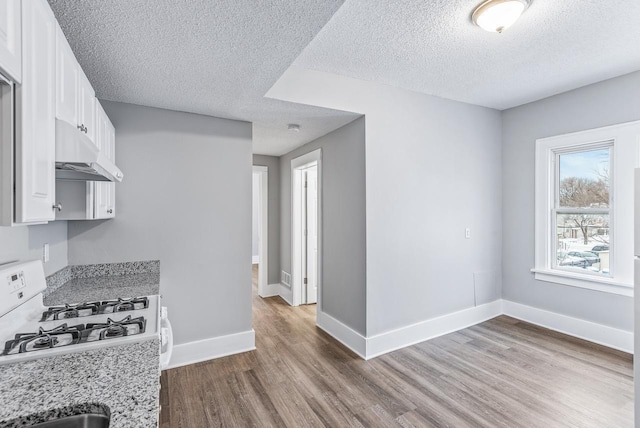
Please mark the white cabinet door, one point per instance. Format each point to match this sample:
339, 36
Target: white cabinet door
87, 106
11, 39
101, 127
111, 140
104, 192
104, 199
35, 130
67, 80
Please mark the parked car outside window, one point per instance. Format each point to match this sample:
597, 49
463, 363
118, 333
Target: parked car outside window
590, 257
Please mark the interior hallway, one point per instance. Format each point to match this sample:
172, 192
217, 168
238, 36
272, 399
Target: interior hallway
501, 373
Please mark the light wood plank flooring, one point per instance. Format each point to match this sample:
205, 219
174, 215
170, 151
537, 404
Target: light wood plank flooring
501, 373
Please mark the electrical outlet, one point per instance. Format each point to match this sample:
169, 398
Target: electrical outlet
467, 233
45, 253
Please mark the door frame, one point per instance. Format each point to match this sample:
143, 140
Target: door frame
297, 165
263, 232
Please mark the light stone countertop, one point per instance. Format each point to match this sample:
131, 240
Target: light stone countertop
79, 290
124, 378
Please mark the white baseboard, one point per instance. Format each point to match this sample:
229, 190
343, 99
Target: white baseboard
215, 347
270, 290
587, 330
429, 329
286, 293
343, 334
255, 259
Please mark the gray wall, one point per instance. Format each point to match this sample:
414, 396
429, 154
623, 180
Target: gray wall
606, 103
185, 200
343, 222
25, 243
433, 168
273, 165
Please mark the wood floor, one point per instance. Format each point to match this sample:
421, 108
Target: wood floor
501, 373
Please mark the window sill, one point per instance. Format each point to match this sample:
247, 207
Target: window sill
605, 285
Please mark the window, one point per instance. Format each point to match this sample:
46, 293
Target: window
581, 212
584, 208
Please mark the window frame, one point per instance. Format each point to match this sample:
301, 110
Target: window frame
557, 209
624, 140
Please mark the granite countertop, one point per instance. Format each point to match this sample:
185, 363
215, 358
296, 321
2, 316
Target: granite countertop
122, 381
80, 290
125, 379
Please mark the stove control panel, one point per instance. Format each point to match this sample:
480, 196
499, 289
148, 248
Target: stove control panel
16, 281
19, 282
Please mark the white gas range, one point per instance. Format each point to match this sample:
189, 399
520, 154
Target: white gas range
29, 330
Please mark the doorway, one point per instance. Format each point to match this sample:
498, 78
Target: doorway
259, 255
306, 254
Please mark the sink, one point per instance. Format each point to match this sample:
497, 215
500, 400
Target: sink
87, 420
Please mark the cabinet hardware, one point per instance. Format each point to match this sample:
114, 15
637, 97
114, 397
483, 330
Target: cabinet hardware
110, 211
57, 206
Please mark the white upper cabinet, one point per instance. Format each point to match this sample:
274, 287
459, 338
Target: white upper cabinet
104, 191
67, 81
11, 39
87, 106
75, 97
104, 199
35, 130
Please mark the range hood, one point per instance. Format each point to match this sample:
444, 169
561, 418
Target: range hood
77, 158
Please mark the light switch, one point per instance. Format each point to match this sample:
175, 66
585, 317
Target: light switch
467, 233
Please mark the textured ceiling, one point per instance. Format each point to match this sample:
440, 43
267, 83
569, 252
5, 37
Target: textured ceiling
210, 57
220, 57
431, 46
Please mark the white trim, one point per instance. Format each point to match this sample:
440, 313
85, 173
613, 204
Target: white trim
255, 259
429, 329
208, 349
296, 262
597, 333
374, 346
343, 334
263, 250
625, 159
286, 294
605, 285
271, 290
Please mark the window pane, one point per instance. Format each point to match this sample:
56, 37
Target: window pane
584, 179
583, 241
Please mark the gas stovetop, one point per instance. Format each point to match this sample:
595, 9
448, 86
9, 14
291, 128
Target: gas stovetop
30, 330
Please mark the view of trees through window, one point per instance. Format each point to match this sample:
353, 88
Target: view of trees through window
582, 210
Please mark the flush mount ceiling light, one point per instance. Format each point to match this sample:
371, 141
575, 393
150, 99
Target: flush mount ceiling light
498, 15
293, 127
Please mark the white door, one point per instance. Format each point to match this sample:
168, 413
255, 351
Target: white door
67, 80
35, 144
11, 39
311, 234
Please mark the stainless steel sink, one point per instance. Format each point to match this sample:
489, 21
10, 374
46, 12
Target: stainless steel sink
87, 420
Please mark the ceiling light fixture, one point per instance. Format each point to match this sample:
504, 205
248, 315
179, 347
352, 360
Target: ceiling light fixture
498, 15
293, 127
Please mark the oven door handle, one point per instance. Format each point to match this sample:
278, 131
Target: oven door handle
166, 340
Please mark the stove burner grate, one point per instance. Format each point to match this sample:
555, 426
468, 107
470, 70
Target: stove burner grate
121, 305
113, 329
63, 335
71, 311
94, 308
